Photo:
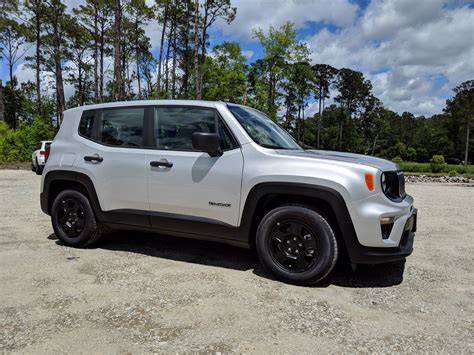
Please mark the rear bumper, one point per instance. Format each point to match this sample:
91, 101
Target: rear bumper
360, 254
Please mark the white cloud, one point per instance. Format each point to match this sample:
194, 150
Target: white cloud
247, 53
406, 48
414, 52
263, 13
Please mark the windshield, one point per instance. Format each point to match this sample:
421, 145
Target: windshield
262, 129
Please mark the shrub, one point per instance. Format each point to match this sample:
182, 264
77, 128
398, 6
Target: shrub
397, 160
16, 145
453, 173
437, 163
411, 153
397, 150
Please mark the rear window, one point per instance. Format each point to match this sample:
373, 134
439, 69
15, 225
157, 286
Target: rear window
86, 124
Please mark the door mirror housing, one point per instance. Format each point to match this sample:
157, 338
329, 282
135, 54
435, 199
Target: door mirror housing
207, 142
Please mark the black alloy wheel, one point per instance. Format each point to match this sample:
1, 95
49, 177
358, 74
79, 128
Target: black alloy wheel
293, 246
296, 244
72, 217
74, 220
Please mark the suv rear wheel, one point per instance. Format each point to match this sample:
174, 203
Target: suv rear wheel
39, 169
296, 244
73, 219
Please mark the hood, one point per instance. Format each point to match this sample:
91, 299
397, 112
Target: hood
381, 164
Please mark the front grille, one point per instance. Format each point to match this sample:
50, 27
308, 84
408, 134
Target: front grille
401, 185
394, 186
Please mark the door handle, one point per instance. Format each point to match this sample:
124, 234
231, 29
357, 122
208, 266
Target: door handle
93, 158
157, 164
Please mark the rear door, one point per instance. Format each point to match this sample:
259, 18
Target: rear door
114, 157
190, 183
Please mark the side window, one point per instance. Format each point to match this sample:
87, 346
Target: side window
228, 141
86, 123
175, 127
122, 127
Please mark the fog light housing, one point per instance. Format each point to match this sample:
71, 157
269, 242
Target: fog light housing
386, 225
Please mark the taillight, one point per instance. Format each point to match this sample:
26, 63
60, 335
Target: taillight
46, 155
42, 152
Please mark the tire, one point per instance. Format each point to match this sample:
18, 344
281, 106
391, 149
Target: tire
33, 168
39, 169
296, 245
73, 219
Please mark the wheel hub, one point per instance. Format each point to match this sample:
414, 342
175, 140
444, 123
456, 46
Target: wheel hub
71, 217
293, 246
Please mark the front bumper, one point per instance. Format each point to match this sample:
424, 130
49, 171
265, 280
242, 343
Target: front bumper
360, 254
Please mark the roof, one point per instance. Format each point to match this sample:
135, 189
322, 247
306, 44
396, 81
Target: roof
201, 103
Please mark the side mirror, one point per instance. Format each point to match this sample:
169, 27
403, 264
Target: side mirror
207, 142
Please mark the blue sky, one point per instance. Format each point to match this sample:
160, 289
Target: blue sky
414, 52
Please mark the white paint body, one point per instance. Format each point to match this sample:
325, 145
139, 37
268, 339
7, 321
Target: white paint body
38, 159
125, 180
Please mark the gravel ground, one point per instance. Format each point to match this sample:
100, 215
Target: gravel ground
138, 293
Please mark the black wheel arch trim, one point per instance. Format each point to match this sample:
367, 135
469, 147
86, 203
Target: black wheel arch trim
203, 228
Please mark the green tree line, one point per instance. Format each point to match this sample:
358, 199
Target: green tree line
102, 50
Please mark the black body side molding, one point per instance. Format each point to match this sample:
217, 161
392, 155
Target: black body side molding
209, 229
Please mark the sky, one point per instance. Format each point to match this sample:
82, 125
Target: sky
413, 51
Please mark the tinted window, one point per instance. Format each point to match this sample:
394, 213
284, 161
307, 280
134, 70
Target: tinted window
87, 121
227, 140
262, 129
122, 127
175, 127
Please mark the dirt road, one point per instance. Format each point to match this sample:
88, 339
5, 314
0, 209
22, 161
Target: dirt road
139, 293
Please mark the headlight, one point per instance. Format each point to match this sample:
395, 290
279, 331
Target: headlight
393, 185
384, 183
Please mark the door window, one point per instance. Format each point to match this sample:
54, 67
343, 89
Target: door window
122, 127
175, 127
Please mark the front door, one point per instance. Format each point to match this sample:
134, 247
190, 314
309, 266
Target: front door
186, 183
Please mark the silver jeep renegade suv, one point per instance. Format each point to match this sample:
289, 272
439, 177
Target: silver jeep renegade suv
223, 172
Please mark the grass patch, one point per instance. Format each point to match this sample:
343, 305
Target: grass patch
425, 168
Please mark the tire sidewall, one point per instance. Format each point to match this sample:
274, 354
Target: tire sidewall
90, 224
327, 245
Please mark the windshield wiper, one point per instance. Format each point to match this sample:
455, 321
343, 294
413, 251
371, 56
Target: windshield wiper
271, 146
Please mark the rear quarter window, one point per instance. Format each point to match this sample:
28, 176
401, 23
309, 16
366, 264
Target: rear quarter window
86, 123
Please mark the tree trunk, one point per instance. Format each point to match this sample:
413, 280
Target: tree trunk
137, 58
302, 122
80, 85
118, 86
319, 118
185, 83
298, 124
59, 86
168, 40
96, 52
38, 54
196, 52
160, 58
101, 54
203, 47
373, 145
466, 155
340, 136
175, 55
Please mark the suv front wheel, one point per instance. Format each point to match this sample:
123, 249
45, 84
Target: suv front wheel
73, 219
296, 244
